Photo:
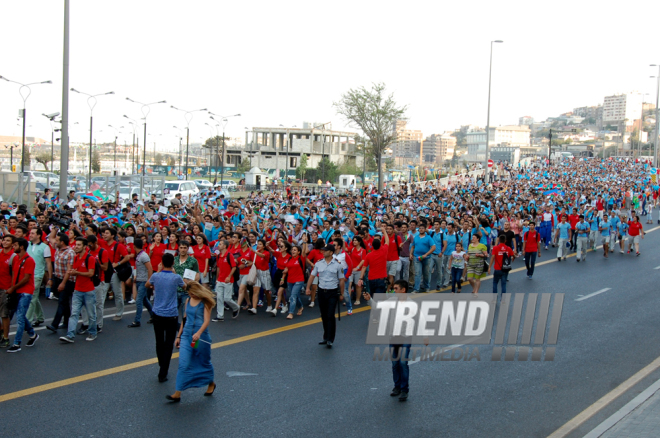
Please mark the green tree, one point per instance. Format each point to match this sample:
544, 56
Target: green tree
43, 158
158, 159
243, 166
302, 169
454, 159
96, 161
374, 114
348, 168
327, 170
460, 138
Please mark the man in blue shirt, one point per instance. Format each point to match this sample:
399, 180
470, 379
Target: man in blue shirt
166, 313
564, 236
422, 247
449, 246
605, 228
582, 229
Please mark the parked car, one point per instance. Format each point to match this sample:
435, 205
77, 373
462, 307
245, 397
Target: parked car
186, 188
203, 184
227, 184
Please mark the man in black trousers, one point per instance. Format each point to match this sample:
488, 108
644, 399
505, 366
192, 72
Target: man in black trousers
331, 284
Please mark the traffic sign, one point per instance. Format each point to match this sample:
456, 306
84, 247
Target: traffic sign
13, 168
189, 171
490, 163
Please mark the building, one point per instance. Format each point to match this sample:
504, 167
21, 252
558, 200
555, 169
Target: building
622, 109
502, 136
408, 143
280, 149
525, 120
439, 148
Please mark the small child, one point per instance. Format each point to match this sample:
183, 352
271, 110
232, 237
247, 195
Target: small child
456, 266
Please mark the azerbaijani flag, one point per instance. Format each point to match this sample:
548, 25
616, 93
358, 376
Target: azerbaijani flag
553, 192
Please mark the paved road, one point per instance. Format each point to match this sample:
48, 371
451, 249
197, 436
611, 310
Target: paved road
301, 388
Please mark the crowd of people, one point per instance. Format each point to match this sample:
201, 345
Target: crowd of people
282, 252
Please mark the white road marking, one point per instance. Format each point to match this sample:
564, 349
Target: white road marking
112, 315
419, 358
239, 374
658, 267
593, 294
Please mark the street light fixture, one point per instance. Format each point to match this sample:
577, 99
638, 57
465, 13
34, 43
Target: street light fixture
490, 72
134, 123
224, 124
145, 109
24, 91
180, 135
188, 115
117, 131
657, 115
91, 102
51, 118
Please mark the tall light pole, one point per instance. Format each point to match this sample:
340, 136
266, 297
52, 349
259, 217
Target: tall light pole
657, 115
51, 118
224, 124
490, 72
134, 124
188, 115
217, 145
64, 144
91, 102
117, 131
180, 135
145, 108
323, 154
24, 91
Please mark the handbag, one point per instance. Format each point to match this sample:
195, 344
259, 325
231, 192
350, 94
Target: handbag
252, 275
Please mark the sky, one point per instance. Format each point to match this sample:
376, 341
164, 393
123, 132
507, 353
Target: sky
286, 62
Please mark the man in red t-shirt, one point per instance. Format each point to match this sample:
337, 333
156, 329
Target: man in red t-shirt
83, 270
224, 288
531, 248
118, 255
6, 255
102, 258
392, 255
497, 259
573, 219
23, 285
635, 231
376, 261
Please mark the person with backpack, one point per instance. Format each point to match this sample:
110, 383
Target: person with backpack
224, 287
101, 289
500, 261
83, 269
181, 263
531, 248
143, 272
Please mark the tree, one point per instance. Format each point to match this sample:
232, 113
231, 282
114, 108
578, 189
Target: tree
243, 166
171, 160
460, 138
302, 169
375, 115
43, 158
454, 159
348, 168
327, 170
96, 161
158, 159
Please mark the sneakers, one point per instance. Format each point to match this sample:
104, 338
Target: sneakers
559, 259
260, 304
51, 328
349, 312
253, 311
637, 253
131, 301
270, 308
66, 339
82, 330
52, 296
116, 318
91, 338
404, 396
357, 303
311, 304
395, 392
235, 313
14, 349
273, 312
414, 292
621, 251
32, 340
99, 329
4, 343
285, 309
134, 324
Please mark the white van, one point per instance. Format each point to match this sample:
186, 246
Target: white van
186, 188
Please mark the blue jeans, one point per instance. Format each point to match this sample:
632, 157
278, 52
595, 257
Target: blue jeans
142, 301
377, 286
497, 277
400, 372
88, 299
23, 324
456, 276
347, 294
294, 296
530, 261
422, 272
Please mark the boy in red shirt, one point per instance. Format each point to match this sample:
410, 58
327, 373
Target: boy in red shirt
531, 248
23, 285
83, 271
376, 261
499, 251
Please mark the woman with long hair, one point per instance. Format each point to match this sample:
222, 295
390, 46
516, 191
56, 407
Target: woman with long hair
358, 254
245, 259
282, 255
202, 254
294, 275
172, 242
263, 275
194, 343
312, 258
477, 254
156, 249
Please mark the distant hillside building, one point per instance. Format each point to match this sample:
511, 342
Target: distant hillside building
501, 136
438, 148
622, 109
525, 120
408, 143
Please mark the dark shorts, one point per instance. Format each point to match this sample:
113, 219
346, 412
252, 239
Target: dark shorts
277, 278
4, 311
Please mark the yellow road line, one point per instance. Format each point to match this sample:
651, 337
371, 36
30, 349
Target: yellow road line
589, 412
134, 365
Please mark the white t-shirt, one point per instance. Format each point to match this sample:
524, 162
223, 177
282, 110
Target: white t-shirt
457, 260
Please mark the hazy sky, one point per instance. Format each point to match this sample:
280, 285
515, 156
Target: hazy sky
285, 62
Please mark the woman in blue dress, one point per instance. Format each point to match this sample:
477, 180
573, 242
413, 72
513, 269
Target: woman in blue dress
194, 342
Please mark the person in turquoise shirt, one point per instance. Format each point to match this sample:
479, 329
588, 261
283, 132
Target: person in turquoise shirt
43, 269
564, 236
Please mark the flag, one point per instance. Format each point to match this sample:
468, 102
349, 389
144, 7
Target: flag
553, 192
98, 194
91, 197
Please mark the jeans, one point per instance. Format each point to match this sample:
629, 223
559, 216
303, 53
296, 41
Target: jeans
404, 274
582, 246
400, 371
63, 301
294, 296
328, 299
142, 301
88, 299
377, 286
119, 298
422, 274
23, 323
497, 277
347, 294
530, 261
36, 312
562, 251
223, 293
100, 292
456, 276
443, 279
436, 266
165, 328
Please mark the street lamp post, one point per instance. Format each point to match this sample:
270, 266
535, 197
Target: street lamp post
117, 131
180, 149
323, 154
134, 124
490, 72
224, 124
91, 102
188, 115
51, 118
145, 109
657, 115
24, 91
